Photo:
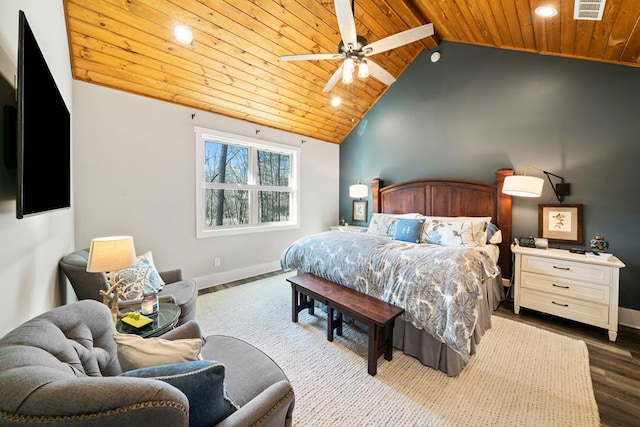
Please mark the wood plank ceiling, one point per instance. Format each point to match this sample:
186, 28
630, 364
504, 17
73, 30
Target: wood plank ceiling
233, 65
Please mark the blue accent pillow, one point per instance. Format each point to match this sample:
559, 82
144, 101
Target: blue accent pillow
202, 381
409, 230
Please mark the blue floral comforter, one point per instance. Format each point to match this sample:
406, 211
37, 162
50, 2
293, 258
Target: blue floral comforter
438, 286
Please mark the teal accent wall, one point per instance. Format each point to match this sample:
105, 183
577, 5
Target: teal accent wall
480, 109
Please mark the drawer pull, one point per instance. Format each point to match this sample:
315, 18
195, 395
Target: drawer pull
557, 303
561, 268
558, 286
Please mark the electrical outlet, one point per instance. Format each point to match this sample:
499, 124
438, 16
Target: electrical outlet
216, 262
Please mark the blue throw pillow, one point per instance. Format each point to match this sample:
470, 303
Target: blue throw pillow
202, 381
409, 230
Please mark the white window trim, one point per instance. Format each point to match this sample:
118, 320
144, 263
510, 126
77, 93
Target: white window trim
203, 134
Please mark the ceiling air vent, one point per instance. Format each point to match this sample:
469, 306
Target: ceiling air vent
589, 9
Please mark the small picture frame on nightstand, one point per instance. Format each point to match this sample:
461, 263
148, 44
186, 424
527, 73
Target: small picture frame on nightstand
360, 210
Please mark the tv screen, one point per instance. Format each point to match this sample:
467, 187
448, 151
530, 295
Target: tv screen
44, 133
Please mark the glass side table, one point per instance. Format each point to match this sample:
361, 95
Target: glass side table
164, 320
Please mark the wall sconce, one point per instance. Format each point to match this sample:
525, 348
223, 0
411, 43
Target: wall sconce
531, 186
358, 190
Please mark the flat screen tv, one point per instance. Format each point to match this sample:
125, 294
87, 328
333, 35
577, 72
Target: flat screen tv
43, 132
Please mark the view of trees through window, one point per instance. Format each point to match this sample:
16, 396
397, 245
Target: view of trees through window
238, 177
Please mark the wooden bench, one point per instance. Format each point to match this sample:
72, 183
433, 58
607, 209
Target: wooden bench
378, 315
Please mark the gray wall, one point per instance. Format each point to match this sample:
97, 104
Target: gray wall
480, 109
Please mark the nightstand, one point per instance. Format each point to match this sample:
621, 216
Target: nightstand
349, 228
573, 286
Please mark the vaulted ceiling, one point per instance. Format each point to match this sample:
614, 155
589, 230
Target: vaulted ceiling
233, 65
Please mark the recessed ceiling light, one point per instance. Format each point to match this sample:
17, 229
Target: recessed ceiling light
183, 34
336, 101
546, 11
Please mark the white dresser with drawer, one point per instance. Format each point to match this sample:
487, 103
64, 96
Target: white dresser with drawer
573, 286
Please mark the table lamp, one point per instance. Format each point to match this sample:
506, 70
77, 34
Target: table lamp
108, 255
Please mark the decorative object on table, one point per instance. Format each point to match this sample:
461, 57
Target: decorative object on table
136, 319
560, 223
599, 244
342, 220
108, 255
149, 304
360, 210
531, 186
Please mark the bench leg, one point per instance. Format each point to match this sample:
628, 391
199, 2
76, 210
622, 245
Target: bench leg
299, 302
372, 358
388, 340
330, 323
295, 307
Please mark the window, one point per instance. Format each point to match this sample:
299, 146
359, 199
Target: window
244, 185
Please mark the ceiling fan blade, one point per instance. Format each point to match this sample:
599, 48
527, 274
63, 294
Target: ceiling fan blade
333, 80
346, 23
380, 73
399, 39
311, 57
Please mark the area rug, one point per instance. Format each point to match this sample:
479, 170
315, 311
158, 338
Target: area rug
520, 376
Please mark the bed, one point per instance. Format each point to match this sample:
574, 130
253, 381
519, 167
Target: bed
448, 291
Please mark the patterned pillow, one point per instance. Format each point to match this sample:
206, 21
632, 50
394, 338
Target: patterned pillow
141, 279
385, 224
203, 384
409, 230
465, 232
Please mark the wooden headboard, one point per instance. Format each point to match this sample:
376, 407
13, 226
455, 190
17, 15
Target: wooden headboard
451, 197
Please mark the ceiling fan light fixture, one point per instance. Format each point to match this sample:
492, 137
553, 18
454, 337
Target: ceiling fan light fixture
349, 65
363, 69
336, 101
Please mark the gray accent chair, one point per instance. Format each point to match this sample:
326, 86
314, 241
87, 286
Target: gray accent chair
88, 285
61, 368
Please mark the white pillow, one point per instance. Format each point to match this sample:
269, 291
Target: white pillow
385, 224
496, 239
140, 279
135, 352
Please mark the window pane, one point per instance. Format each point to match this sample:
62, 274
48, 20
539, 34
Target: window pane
274, 206
224, 163
226, 207
273, 168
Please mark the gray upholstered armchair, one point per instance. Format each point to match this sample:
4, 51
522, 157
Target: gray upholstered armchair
62, 368
88, 285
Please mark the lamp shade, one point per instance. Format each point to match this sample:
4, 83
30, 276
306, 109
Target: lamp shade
111, 254
523, 186
358, 190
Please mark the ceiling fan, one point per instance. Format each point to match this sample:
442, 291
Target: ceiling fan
354, 49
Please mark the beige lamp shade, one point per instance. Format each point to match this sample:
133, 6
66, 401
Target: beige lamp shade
358, 190
111, 254
523, 186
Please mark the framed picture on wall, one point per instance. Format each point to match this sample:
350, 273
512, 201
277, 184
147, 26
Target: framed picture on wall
560, 223
360, 210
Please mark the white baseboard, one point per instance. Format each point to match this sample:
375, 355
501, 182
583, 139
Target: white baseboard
230, 276
629, 317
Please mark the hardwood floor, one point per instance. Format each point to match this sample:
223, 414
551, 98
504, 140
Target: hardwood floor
615, 366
